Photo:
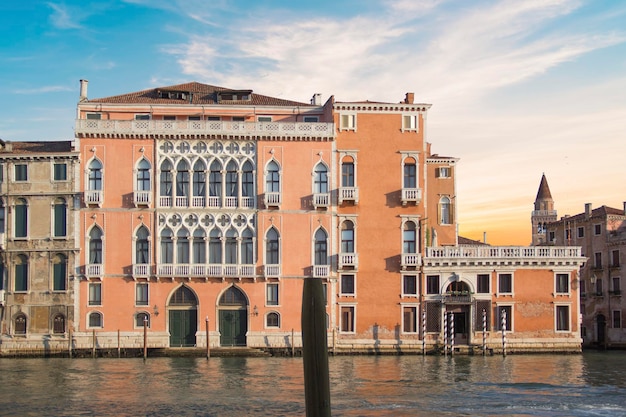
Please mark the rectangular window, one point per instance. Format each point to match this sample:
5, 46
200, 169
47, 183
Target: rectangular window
409, 122
617, 319
21, 172
94, 116
347, 319
238, 118
264, 118
409, 285
505, 283
562, 319
142, 117
347, 122
506, 318
482, 283
170, 118
347, 174
214, 118
551, 236
615, 258
194, 118
410, 176
141, 294
60, 172
21, 276
409, 319
616, 286
311, 119
59, 275
444, 172
271, 291
432, 284
597, 229
581, 232
597, 260
348, 286
562, 283
95, 294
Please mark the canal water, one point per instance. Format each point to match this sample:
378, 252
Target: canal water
591, 384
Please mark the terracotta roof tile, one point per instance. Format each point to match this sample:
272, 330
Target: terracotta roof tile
41, 147
199, 94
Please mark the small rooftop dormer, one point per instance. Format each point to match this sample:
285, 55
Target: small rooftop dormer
234, 95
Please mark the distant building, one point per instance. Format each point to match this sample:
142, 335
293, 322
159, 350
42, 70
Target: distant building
601, 233
543, 214
38, 244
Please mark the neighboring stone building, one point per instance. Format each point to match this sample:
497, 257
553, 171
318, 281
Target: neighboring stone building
601, 233
38, 245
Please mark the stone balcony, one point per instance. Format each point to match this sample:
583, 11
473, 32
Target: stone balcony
202, 129
503, 255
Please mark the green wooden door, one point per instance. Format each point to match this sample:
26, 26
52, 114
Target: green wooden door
233, 327
183, 324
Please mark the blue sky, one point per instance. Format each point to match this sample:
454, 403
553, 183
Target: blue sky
518, 87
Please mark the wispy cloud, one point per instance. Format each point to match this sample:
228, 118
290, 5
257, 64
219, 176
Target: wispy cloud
43, 89
61, 18
468, 51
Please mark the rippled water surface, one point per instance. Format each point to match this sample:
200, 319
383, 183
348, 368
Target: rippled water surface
592, 384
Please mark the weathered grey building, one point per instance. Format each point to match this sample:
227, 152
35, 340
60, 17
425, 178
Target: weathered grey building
38, 245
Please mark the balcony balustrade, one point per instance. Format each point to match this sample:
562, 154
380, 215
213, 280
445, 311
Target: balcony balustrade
411, 260
321, 271
272, 199
142, 198
141, 270
95, 128
93, 270
206, 270
272, 271
348, 194
348, 260
411, 195
478, 252
203, 202
321, 200
94, 197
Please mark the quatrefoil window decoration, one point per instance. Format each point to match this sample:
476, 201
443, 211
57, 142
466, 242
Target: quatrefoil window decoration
199, 147
191, 220
207, 220
167, 147
239, 220
175, 220
223, 220
216, 147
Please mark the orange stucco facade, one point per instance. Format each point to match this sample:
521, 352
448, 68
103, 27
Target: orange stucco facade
209, 206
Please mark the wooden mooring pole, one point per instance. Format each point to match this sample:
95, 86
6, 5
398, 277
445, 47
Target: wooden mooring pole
315, 349
208, 344
145, 338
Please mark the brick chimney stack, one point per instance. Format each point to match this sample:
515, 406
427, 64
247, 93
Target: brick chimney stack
83, 90
408, 99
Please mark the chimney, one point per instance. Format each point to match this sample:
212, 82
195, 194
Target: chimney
408, 99
83, 90
587, 210
485, 238
316, 100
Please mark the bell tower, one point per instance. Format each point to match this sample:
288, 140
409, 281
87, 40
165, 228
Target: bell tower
543, 213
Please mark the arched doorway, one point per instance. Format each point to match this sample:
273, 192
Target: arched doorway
233, 317
183, 318
458, 301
